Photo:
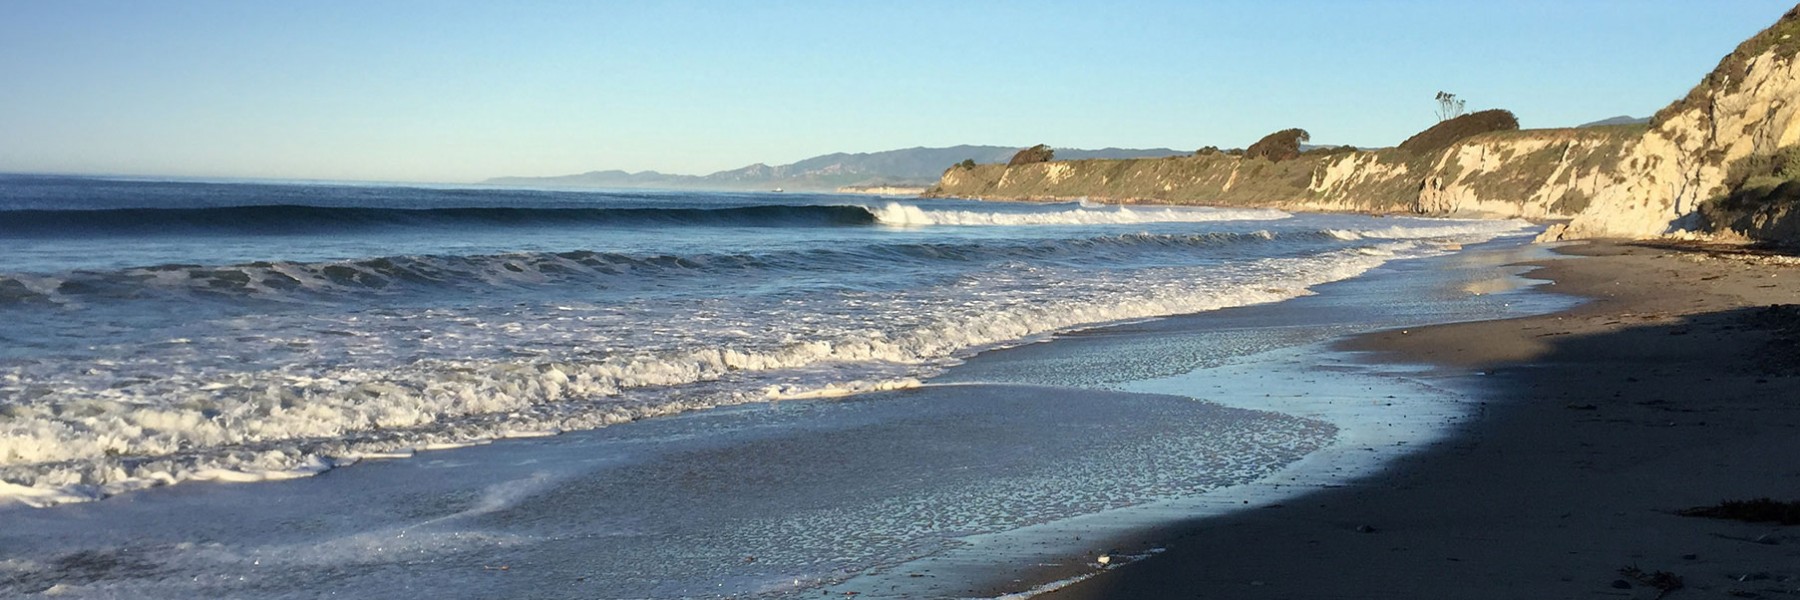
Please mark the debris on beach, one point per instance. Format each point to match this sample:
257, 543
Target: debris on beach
1760, 510
1663, 581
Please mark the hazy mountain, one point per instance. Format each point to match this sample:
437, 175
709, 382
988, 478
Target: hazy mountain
1619, 120
909, 167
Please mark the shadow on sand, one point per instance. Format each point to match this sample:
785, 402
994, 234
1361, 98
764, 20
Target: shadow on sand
1575, 473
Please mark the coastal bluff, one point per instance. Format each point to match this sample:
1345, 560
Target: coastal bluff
1670, 177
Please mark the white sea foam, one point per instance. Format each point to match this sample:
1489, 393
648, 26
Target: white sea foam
1444, 228
111, 428
906, 215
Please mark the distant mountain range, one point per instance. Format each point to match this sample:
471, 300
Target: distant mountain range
1619, 120
916, 167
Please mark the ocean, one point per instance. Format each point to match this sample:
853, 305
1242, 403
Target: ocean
164, 333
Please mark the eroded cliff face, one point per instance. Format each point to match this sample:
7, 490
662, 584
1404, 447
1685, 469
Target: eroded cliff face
1620, 181
1532, 174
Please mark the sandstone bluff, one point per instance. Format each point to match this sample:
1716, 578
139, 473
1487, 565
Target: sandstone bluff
1620, 181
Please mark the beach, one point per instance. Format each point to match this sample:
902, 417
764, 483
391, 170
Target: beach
651, 303
410, 391
937, 399
1672, 387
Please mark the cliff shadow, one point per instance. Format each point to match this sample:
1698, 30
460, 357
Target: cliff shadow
1568, 481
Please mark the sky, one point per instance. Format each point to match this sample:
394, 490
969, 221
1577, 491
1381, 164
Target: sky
447, 91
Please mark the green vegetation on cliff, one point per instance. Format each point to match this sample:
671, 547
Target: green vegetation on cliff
1328, 178
1035, 154
1279, 146
1442, 135
1761, 199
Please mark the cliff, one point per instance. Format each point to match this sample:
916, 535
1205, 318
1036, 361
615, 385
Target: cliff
1631, 181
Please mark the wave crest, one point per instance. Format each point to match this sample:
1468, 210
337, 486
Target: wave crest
904, 215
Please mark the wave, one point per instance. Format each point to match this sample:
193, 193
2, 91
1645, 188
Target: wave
302, 219
297, 219
82, 442
288, 280
108, 428
898, 214
391, 275
1436, 228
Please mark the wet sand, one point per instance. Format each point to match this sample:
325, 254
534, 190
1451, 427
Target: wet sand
1675, 387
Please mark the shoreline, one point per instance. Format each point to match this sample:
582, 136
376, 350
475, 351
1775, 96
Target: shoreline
1598, 422
476, 507
493, 492
1379, 411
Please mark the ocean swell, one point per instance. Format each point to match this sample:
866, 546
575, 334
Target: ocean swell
291, 219
392, 275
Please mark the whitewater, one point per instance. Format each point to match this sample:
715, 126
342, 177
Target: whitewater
167, 331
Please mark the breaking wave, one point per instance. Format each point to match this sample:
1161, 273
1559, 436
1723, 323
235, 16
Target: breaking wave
299, 219
294, 219
898, 214
93, 434
392, 275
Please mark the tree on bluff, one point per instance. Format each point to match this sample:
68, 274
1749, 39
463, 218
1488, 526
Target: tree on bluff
1443, 135
1035, 154
1279, 146
1449, 106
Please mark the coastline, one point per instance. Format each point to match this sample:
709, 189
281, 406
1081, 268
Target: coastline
529, 504
1598, 423
1273, 358
1636, 181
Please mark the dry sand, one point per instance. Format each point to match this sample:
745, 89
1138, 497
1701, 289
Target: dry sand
1676, 387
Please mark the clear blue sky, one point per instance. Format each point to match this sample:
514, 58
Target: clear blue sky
461, 91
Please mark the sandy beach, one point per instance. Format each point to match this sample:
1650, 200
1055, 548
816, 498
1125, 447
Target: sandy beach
1673, 387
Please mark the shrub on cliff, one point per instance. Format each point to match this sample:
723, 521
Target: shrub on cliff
1207, 151
1761, 197
1035, 154
1755, 171
1279, 146
1329, 150
966, 164
1443, 135
1766, 209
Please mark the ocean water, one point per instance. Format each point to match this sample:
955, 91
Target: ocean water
166, 331
758, 395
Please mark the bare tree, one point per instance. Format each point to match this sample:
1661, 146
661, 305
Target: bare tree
1449, 106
